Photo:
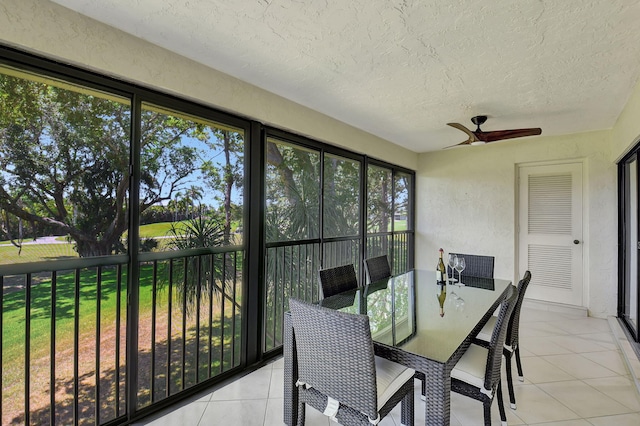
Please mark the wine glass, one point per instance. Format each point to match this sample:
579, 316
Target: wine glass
460, 265
459, 303
452, 263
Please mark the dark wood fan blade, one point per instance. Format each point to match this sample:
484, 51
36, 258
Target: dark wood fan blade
498, 135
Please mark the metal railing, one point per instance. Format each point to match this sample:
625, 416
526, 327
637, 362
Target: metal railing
395, 245
64, 326
292, 270
64, 333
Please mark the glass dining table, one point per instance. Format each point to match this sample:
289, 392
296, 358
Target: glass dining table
409, 326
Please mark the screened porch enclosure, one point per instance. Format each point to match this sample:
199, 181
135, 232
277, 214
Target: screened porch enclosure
326, 209
149, 245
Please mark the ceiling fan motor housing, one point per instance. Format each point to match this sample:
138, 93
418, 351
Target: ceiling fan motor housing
479, 120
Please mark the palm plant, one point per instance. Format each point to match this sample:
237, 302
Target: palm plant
196, 232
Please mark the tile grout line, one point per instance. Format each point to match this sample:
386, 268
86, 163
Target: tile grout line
266, 406
557, 400
578, 416
583, 381
203, 411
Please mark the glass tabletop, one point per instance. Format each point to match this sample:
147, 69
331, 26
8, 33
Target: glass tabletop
404, 311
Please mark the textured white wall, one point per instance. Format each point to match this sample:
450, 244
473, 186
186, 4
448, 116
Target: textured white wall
467, 203
44, 27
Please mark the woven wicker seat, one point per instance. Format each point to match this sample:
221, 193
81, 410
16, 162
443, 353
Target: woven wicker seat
476, 265
338, 373
477, 373
377, 268
338, 279
511, 345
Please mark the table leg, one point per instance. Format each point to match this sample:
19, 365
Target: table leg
437, 408
290, 374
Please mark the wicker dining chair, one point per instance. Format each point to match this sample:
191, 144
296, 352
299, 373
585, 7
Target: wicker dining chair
476, 265
338, 373
477, 373
512, 345
338, 279
377, 268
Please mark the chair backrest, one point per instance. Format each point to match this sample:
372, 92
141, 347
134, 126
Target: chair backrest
377, 268
514, 322
494, 359
335, 355
477, 265
338, 279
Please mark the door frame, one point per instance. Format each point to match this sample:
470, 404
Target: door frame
585, 221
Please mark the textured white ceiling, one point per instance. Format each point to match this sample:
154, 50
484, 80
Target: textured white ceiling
403, 69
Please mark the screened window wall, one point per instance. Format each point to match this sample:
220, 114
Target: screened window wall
190, 252
134, 269
389, 216
317, 202
121, 248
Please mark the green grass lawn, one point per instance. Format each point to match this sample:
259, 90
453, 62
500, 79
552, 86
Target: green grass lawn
400, 225
14, 305
15, 314
40, 314
159, 229
36, 253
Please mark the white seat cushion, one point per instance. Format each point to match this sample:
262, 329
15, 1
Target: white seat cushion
472, 366
487, 330
390, 376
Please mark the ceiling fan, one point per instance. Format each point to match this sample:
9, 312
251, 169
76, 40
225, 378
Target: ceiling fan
478, 137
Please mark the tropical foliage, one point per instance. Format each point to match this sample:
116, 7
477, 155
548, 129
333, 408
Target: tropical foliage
197, 277
65, 161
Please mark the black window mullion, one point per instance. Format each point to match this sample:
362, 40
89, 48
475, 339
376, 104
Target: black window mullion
363, 216
133, 276
637, 238
321, 209
254, 324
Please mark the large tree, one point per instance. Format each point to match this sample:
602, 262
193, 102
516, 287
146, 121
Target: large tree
293, 188
65, 156
223, 175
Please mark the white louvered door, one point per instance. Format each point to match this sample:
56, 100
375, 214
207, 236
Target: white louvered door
550, 231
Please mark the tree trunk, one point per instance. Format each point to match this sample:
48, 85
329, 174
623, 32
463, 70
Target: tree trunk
384, 223
274, 157
94, 248
228, 180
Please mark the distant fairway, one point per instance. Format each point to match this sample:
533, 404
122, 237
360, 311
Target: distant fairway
160, 229
10, 254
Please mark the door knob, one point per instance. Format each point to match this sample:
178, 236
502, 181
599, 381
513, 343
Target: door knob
576, 242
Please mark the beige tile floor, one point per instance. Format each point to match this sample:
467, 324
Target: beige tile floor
575, 375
